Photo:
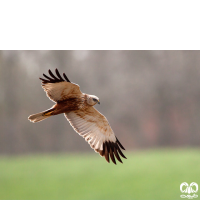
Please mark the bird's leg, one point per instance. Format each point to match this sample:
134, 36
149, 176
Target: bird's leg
47, 113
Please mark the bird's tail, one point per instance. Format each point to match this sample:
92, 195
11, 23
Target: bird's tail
40, 116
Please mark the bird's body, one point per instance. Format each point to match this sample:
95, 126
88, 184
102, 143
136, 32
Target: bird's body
83, 117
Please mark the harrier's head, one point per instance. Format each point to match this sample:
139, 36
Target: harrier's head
92, 100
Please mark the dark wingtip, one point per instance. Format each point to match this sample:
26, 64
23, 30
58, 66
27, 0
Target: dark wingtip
58, 74
116, 153
52, 78
66, 78
111, 145
112, 150
43, 80
120, 144
52, 75
106, 153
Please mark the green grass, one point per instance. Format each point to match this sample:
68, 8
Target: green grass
150, 174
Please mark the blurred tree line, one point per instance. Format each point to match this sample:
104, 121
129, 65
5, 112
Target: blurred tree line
151, 98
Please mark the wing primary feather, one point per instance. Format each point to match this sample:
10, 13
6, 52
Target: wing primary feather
45, 81
106, 153
52, 75
48, 77
111, 153
108, 146
66, 78
120, 152
116, 154
120, 144
58, 74
100, 152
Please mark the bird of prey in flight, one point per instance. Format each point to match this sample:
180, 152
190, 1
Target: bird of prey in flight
82, 116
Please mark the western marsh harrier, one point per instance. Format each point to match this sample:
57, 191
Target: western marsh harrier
82, 116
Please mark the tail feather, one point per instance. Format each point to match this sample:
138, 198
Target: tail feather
38, 117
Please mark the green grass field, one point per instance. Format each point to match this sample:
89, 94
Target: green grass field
149, 174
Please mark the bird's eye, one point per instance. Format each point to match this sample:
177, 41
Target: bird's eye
94, 99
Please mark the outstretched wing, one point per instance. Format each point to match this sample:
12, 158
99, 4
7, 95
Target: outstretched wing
58, 89
94, 127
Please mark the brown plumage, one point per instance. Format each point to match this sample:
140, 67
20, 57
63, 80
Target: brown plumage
82, 116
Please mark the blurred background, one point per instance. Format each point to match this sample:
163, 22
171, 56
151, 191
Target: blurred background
151, 100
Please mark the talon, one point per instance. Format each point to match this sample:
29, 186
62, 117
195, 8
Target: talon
47, 113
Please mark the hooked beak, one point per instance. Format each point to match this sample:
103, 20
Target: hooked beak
98, 102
